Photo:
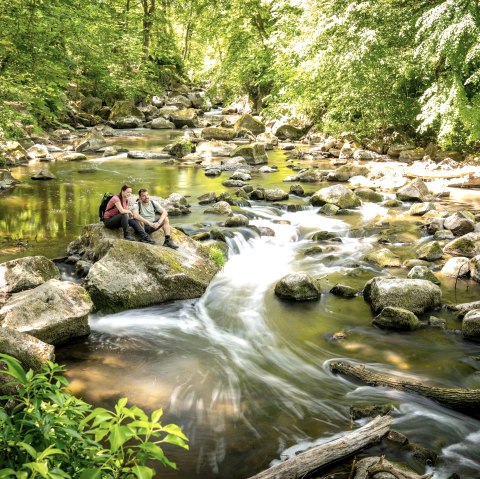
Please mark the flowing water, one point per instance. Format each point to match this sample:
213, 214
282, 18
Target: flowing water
245, 374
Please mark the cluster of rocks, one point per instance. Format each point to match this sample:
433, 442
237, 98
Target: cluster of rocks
38, 310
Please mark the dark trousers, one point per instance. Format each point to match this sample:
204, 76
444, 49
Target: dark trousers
124, 221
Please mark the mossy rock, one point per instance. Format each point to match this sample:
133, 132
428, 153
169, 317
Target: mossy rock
248, 122
397, 318
297, 287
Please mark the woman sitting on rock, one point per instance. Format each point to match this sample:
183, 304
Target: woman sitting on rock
117, 214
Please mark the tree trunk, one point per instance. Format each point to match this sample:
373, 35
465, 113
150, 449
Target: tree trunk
463, 400
324, 454
148, 13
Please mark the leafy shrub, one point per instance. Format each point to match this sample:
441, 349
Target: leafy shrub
48, 433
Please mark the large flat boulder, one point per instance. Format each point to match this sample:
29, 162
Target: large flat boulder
134, 275
338, 195
54, 312
415, 295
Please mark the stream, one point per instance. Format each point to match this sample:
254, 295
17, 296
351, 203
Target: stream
243, 373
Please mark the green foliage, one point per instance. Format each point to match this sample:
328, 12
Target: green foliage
217, 256
48, 433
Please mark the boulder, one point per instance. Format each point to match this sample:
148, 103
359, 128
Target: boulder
167, 111
419, 209
182, 147
209, 149
179, 101
456, 267
416, 190
460, 223
7, 181
309, 176
395, 150
38, 151
219, 208
337, 195
26, 273
161, 124
329, 210
186, 117
397, 318
74, 156
207, 198
13, 154
383, 258
409, 156
475, 268
92, 141
148, 155
368, 195
467, 245
269, 139
30, 351
248, 122
296, 190
297, 287
346, 151
415, 295
234, 163
342, 290
275, 194
253, 153
422, 272
123, 110
345, 172
136, 275
430, 251
241, 175
289, 132
128, 122
365, 155
471, 325
43, 174
55, 311
218, 133
235, 221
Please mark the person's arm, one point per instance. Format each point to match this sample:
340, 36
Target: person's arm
121, 209
163, 213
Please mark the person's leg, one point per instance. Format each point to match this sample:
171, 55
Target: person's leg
118, 221
140, 231
168, 240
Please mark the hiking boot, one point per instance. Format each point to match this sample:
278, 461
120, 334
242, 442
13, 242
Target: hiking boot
129, 238
170, 244
147, 239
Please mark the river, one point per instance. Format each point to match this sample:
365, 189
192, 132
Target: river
243, 373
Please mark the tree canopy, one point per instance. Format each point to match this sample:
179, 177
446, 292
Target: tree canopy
378, 68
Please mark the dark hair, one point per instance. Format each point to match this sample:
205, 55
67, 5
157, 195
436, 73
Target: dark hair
142, 190
124, 187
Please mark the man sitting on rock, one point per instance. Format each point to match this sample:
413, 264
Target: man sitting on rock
145, 210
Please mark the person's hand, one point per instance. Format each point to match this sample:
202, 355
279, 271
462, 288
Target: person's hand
155, 225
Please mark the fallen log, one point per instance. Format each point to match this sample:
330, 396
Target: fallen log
324, 454
463, 400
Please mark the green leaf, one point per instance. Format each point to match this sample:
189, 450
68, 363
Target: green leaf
157, 414
122, 402
143, 472
154, 451
14, 368
174, 429
31, 450
6, 473
91, 474
173, 439
119, 435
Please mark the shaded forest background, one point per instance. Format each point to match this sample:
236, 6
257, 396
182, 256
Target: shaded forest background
382, 68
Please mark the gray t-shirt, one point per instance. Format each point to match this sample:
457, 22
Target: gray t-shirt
148, 210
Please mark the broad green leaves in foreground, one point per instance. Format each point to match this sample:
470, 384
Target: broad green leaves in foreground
47, 433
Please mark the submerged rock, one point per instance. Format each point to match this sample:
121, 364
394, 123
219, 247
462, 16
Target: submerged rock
43, 174
297, 287
415, 295
397, 318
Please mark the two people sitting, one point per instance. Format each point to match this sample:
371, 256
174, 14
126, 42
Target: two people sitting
142, 216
